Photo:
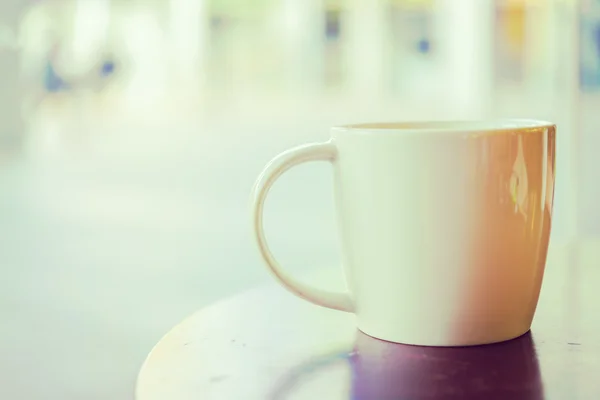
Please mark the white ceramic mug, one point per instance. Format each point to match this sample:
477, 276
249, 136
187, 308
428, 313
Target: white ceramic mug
444, 226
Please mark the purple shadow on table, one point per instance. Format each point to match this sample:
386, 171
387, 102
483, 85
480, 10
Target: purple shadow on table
386, 371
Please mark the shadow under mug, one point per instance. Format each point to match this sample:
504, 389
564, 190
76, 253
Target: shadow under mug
387, 371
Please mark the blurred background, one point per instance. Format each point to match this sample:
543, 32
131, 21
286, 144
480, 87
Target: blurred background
131, 132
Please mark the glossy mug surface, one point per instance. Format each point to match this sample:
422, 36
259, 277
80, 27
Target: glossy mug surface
444, 226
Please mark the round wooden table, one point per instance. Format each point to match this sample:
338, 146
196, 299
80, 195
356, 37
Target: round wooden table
267, 344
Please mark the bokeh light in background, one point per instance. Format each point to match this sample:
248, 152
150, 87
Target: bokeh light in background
125, 185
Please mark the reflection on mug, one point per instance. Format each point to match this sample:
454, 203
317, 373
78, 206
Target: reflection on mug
379, 370
519, 184
507, 370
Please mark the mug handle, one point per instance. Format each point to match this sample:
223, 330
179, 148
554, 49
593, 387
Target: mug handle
274, 169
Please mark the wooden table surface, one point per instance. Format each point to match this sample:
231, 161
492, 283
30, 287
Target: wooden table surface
266, 344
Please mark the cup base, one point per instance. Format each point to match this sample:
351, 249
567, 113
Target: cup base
449, 343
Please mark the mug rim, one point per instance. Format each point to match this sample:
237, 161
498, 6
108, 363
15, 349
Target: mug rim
447, 126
